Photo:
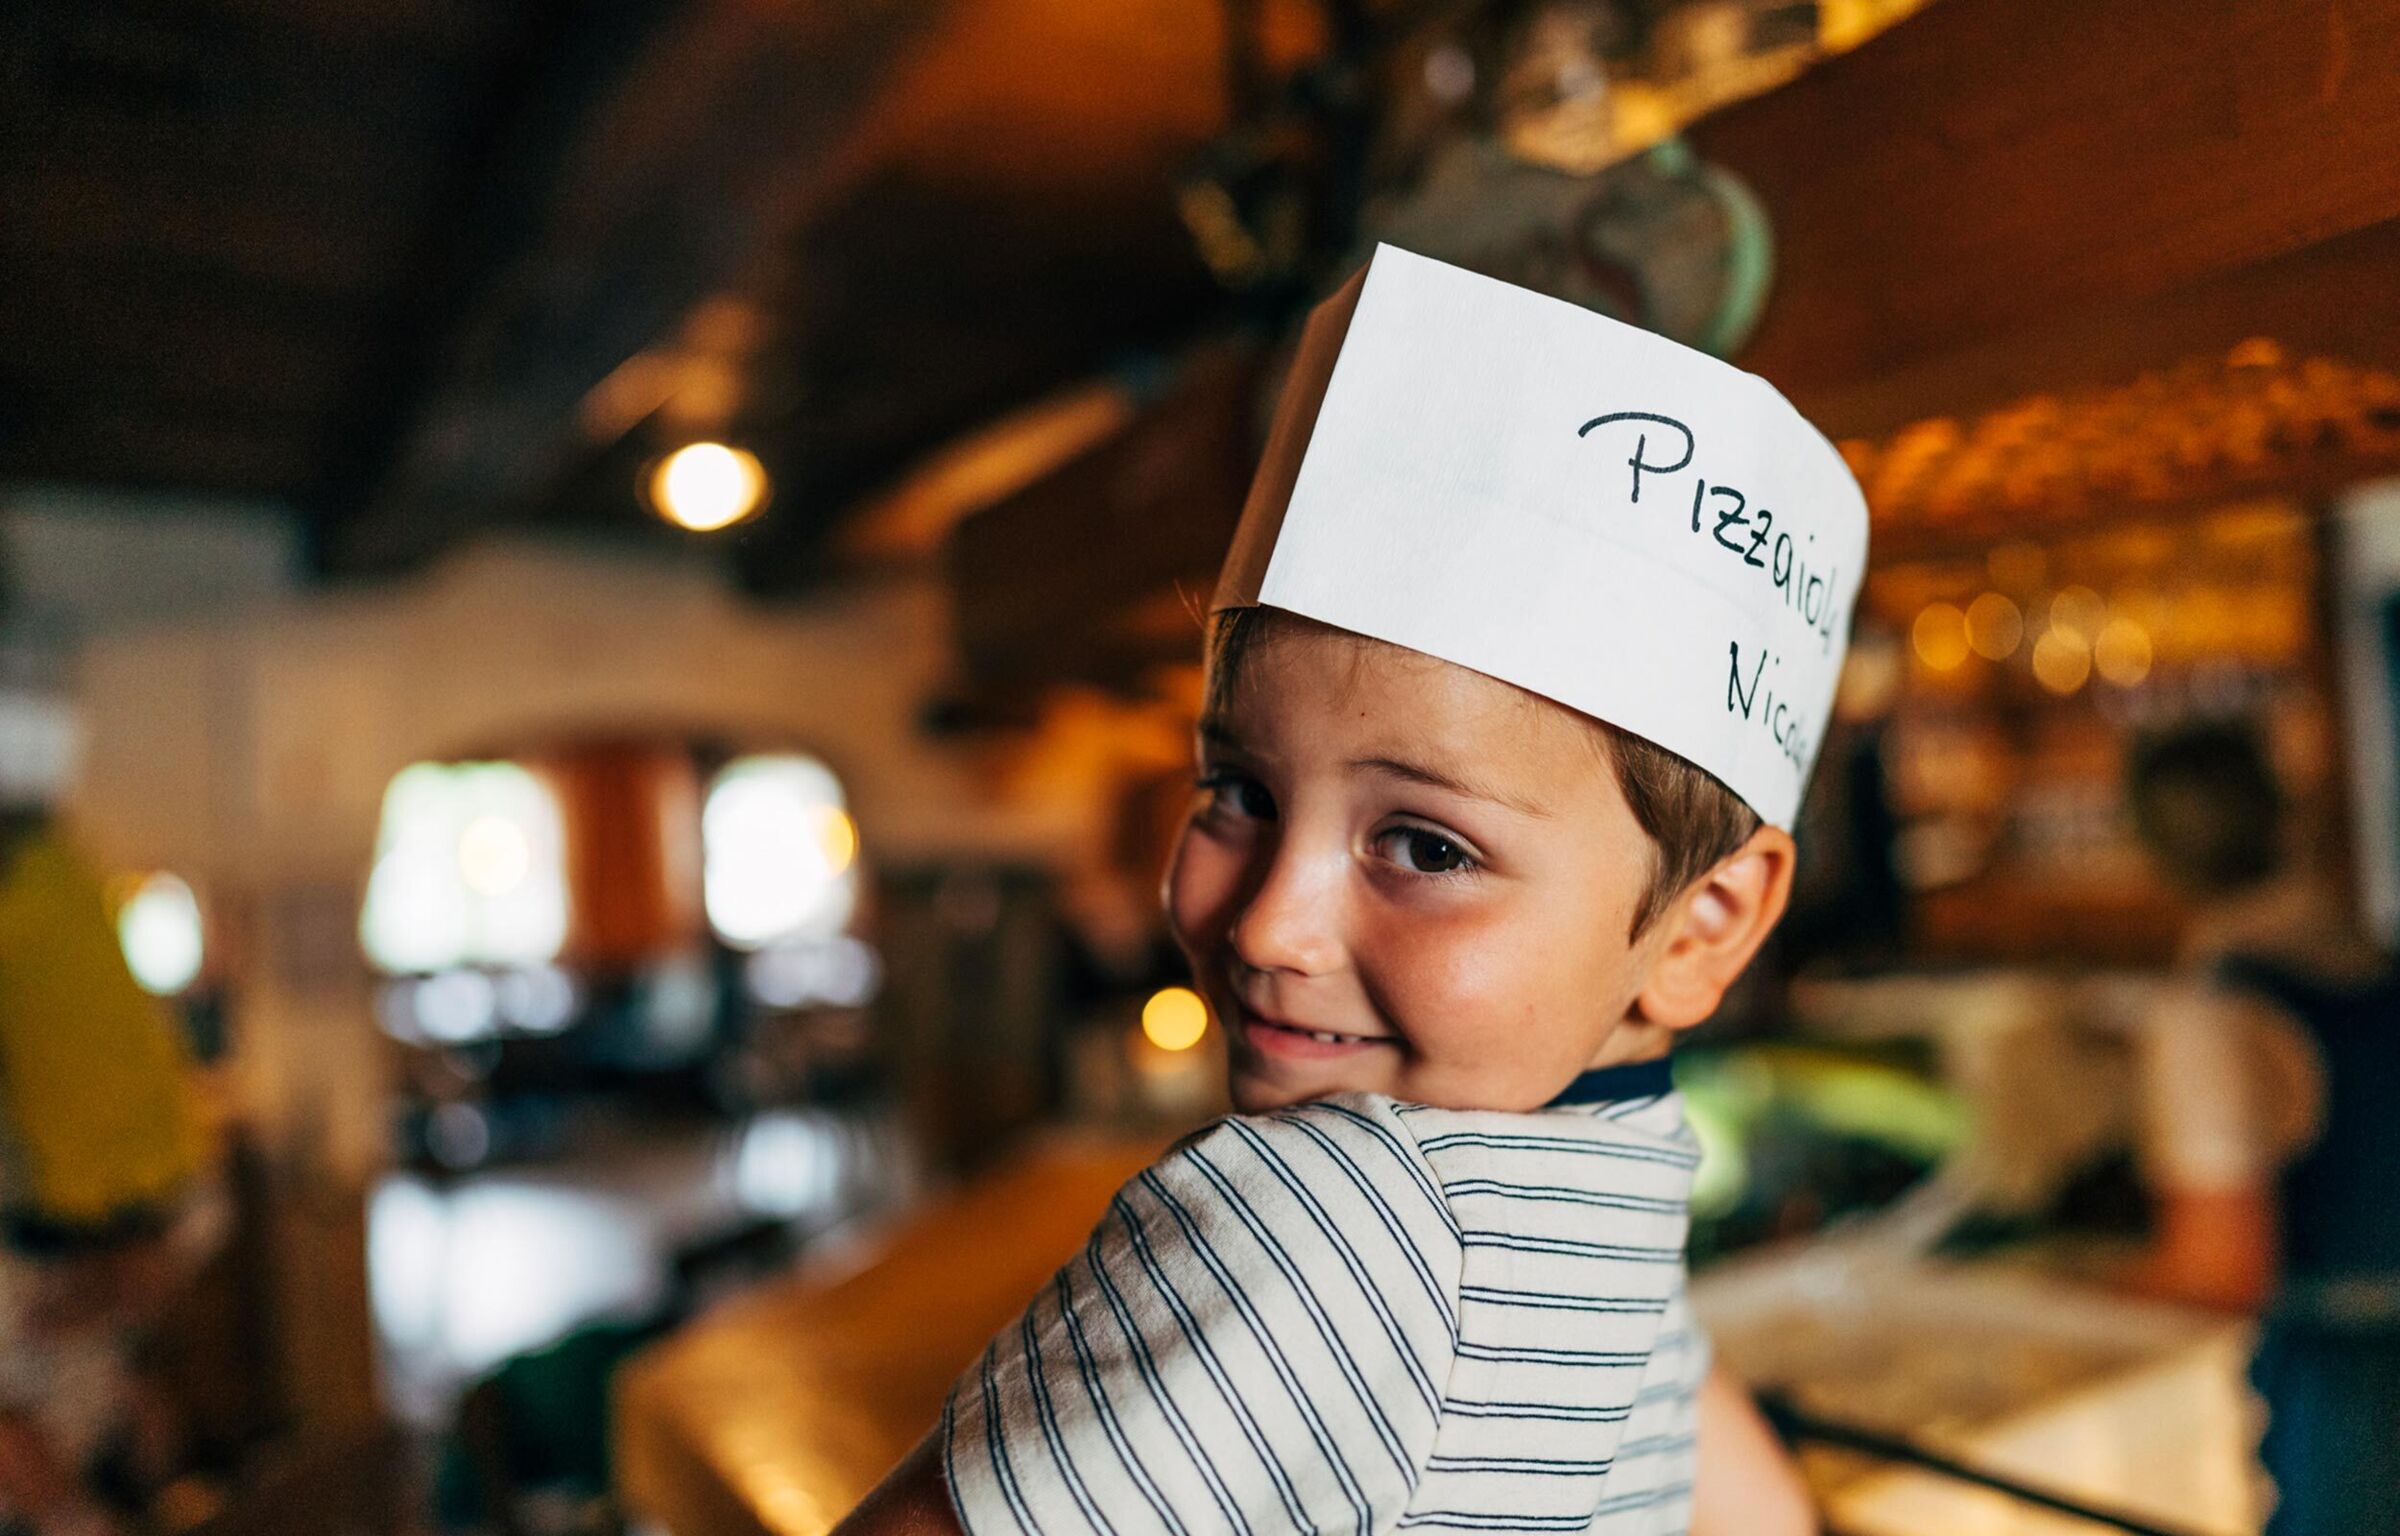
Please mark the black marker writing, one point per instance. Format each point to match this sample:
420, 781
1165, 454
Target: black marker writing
1749, 533
1642, 466
1759, 701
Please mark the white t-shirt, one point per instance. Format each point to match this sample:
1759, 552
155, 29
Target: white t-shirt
1362, 1316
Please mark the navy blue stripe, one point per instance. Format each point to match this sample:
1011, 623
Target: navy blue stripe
1569, 1145
950, 1456
1634, 1080
1405, 1154
1090, 1369
1391, 1222
1471, 1408
1533, 1355
1575, 1248
995, 1442
1472, 1520
1645, 1499
1530, 1466
1554, 1301
1359, 1274
1273, 1247
1037, 1378
1147, 1367
1655, 1445
1652, 1204
1272, 1350
1197, 1338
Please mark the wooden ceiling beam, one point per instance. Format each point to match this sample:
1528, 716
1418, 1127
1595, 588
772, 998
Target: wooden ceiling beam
2338, 299
1990, 164
1110, 537
717, 136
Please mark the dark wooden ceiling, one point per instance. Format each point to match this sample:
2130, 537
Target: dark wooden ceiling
376, 258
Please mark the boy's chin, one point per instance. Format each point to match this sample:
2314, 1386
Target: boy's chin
1256, 1093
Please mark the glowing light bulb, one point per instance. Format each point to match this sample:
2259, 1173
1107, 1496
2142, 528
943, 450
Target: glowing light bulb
159, 929
1174, 1019
707, 486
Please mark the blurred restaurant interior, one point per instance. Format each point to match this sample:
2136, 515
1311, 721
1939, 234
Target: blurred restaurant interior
610, 597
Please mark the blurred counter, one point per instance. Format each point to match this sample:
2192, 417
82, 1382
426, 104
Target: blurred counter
776, 1413
2007, 1365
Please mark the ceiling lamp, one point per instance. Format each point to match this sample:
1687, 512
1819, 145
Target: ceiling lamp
708, 486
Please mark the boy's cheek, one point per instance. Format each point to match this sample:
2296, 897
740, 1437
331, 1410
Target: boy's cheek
1197, 893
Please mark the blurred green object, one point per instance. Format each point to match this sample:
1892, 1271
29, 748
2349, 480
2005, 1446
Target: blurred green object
1795, 1136
537, 1424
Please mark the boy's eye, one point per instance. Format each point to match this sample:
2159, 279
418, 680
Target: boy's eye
1425, 852
1238, 795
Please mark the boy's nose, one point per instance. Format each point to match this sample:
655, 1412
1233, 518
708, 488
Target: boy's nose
1289, 924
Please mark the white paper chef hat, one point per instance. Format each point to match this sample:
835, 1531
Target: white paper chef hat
1576, 506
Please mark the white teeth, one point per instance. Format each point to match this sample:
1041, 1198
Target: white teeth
1325, 1038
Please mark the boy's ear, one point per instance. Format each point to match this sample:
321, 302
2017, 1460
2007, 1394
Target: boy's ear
1709, 933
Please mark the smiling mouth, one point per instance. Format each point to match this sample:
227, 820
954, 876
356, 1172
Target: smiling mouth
1278, 1031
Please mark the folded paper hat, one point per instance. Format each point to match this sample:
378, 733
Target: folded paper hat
1576, 506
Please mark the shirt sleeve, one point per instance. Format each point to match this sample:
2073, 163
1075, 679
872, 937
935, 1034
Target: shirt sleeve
1256, 1338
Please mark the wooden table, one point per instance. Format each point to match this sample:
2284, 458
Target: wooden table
776, 1413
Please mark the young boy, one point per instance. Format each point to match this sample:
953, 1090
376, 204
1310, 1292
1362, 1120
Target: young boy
1520, 658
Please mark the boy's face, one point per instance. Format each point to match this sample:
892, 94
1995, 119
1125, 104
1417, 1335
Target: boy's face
1433, 866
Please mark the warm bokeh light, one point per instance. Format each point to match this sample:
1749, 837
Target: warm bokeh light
159, 930
1940, 636
1174, 1019
707, 486
2061, 661
837, 834
2122, 653
2080, 611
1994, 627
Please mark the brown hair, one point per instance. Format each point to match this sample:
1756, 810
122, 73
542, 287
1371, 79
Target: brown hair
1692, 820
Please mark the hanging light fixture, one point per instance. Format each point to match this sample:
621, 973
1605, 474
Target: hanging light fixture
708, 486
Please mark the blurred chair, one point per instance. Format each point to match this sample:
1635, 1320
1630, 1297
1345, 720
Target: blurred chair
530, 1456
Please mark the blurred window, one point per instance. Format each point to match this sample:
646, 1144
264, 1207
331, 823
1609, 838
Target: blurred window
470, 869
779, 852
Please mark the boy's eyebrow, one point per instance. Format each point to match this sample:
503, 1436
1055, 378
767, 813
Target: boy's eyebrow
1435, 778
1216, 733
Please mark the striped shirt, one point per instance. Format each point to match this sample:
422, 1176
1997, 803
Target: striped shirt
1361, 1315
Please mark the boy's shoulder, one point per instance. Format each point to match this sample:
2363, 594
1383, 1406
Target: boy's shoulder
1365, 1138
1423, 1158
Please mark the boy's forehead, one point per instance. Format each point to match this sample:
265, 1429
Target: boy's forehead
1385, 704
